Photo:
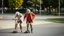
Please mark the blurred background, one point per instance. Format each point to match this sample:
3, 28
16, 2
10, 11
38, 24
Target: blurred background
42, 7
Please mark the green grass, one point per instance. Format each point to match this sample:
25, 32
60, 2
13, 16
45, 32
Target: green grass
61, 20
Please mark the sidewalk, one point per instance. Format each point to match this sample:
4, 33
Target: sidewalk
10, 16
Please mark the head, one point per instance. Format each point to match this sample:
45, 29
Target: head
28, 11
17, 13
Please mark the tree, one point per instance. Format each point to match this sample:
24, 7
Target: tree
27, 3
37, 1
15, 3
53, 3
62, 3
0, 3
24, 4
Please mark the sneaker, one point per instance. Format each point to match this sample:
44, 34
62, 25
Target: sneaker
14, 32
31, 30
27, 32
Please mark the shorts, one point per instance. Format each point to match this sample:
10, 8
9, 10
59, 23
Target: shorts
19, 21
29, 21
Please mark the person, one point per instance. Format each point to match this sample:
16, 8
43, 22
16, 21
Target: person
29, 16
18, 15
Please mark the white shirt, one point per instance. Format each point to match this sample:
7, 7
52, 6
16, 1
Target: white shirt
19, 17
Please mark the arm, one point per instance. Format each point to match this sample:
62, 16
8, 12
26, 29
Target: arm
24, 16
21, 15
14, 17
33, 15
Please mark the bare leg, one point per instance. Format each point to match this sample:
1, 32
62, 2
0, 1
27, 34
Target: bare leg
16, 26
27, 26
31, 27
27, 31
20, 27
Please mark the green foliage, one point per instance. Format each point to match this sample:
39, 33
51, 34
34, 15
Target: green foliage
15, 3
53, 3
48, 3
37, 1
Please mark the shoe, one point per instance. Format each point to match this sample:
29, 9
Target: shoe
27, 32
31, 30
14, 32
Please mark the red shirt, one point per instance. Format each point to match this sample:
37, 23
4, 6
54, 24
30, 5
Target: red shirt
28, 16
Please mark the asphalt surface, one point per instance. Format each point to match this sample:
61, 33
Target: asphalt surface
38, 31
42, 29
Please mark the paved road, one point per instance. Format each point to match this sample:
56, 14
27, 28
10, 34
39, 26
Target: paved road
39, 30
41, 27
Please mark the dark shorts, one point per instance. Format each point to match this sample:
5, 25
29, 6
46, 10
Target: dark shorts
19, 21
29, 21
